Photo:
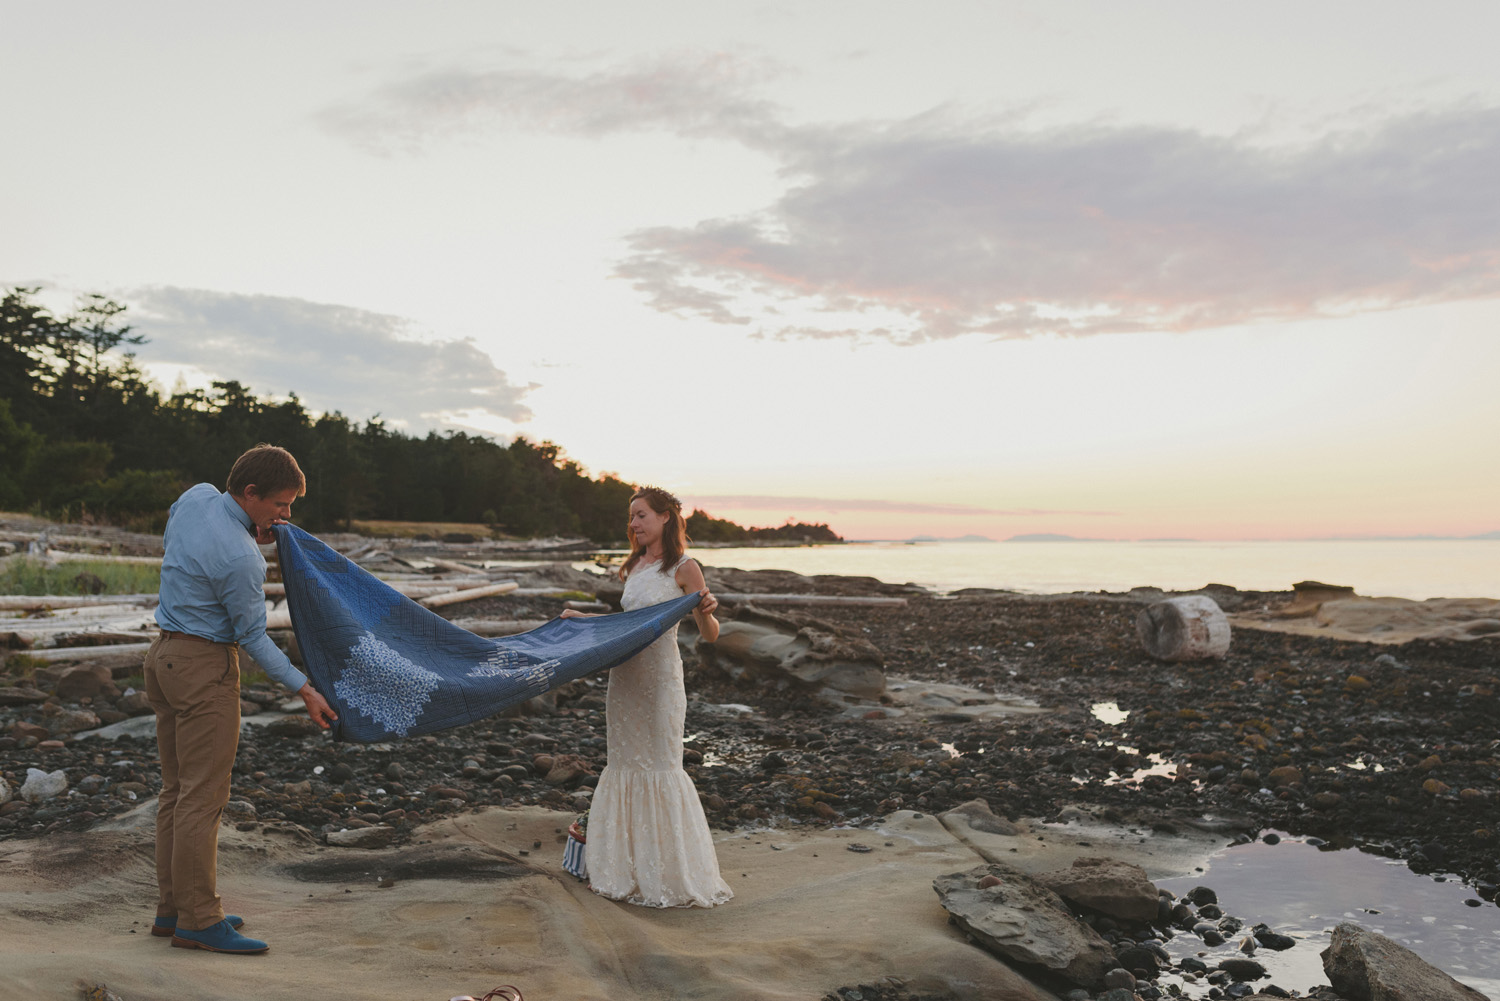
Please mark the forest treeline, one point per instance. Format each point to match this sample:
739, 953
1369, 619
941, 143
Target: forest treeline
85, 435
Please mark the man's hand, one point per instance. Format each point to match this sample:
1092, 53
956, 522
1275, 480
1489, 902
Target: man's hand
264, 536
318, 708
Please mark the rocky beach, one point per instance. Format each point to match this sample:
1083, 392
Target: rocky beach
984, 730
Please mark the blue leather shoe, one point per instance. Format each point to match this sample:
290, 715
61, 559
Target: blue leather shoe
218, 938
162, 927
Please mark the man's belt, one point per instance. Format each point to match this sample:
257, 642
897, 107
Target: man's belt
172, 634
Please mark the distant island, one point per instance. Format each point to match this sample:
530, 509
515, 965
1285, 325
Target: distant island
949, 538
1050, 537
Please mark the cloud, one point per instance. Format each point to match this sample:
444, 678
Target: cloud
333, 357
702, 95
943, 225
763, 502
928, 230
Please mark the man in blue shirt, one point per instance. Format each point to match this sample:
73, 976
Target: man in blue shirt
212, 605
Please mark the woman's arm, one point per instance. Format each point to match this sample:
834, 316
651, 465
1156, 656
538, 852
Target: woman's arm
690, 579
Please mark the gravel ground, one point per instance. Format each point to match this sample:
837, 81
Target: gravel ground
1396, 749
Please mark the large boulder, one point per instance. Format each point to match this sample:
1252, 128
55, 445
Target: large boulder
1366, 966
796, 651
72, 721
82, 680
1191, 627
1006, 912
21, 695
1118, 889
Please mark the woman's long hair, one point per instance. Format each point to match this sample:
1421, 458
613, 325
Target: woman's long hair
674, 538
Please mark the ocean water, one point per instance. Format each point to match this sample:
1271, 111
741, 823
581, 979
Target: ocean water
1417, 569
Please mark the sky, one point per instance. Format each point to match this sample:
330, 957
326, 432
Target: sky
1165, 269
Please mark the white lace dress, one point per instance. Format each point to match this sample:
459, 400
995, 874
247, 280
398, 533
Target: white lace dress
648, 838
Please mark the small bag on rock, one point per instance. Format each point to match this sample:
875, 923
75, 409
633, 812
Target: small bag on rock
573, 855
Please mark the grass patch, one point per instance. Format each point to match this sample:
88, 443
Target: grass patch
20, 667
252, 676
29, 576
414, 529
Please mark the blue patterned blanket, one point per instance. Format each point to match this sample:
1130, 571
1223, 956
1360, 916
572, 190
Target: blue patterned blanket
392, 668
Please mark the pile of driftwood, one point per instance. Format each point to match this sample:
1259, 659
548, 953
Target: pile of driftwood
84, 627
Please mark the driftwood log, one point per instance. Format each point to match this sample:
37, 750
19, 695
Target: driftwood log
809, 599
1192, 627
277, 589
37, 602
455, 597
61, 556
499, 627
87, 652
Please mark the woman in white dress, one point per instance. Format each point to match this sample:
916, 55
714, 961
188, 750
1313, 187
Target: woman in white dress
648, 838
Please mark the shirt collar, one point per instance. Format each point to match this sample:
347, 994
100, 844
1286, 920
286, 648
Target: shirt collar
236, 512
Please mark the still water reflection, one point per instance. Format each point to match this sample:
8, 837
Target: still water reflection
1302, 891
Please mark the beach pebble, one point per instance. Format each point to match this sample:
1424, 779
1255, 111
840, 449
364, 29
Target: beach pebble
374, 836
292, 727
1120, 978
5, 791
773, 762
133, 703
40, 785
239, 809
1242, 969
21, 729
1284, 776
1202, 895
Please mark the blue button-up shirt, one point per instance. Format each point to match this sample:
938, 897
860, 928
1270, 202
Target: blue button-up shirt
212, 579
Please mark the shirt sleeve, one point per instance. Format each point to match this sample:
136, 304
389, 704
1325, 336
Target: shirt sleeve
243, 597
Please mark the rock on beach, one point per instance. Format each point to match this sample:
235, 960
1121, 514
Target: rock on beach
1023, 921
1366, 966
41, 786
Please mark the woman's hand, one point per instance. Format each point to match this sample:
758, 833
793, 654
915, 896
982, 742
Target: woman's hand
709, 602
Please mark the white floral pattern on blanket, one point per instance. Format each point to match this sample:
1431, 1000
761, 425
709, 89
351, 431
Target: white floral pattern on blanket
384, 685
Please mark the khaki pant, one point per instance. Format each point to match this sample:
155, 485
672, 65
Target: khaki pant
194, 687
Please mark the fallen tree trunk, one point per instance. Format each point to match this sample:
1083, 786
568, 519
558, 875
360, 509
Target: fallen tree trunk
87, 652
455, 566
546, 592
499, 627
58, 617
37, 602
1192, 627
439, 600
278, 590
62, 556
809, 599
